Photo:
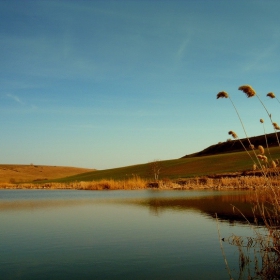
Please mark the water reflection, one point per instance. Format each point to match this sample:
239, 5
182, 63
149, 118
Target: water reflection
210, 205
112, 234
206, 202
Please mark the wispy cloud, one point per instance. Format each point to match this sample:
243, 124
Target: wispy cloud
264, 59
15, 98
182, 49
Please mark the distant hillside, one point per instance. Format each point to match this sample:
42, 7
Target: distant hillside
222, 158
235, 145
193, 166
16, 173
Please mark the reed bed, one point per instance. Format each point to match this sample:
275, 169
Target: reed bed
136, 183
105, 184
259, 254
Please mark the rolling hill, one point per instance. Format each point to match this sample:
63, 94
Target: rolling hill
236, 146
16, 173
226, 157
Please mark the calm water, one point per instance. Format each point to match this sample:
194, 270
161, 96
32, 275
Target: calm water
117, 234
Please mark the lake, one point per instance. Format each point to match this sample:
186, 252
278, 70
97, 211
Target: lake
147, 234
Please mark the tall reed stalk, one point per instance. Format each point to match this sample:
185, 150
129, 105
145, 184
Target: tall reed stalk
224, 94
259, 254
263, 248
235, 136
266, 142
250, 92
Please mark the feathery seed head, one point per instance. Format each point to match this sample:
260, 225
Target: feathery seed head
233, 134
248, 90
261, 149
254, 167
261, 120
271, 95
273, 164
276, 126
262, 157
222, 94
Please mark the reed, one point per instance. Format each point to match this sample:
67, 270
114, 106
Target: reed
132, 183
252, 181
272, 95
259, 254
250, 92
234, 135
264, 132
224, 94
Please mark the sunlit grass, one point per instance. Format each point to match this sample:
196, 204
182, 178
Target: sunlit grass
217, 182
177, 168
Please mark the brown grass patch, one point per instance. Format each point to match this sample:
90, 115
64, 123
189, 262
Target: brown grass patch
10, 173
136, 183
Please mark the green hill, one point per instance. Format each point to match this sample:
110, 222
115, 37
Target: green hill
236, 146
224, 157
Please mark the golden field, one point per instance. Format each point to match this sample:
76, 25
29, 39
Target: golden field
14, 173
136, 183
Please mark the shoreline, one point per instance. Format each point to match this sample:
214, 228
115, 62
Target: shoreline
228, 181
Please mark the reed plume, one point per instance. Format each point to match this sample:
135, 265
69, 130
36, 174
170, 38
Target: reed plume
273, 164
267, 205
262, 157
222, 94
272, 95
276, 126
234, 136
261, 149
250, 92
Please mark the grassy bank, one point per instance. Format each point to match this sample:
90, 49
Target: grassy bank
174, 169
216, 159
219, 183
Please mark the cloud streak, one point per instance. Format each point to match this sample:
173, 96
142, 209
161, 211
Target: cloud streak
15, 98
182, 49
264, 59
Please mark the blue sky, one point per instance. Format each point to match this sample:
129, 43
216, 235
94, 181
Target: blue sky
105, 84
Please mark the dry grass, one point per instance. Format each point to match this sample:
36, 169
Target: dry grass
259, 254
11, 173
133, 183
128, 184
136, 183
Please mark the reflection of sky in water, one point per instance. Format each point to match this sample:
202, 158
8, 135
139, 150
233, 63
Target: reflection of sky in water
97, 235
